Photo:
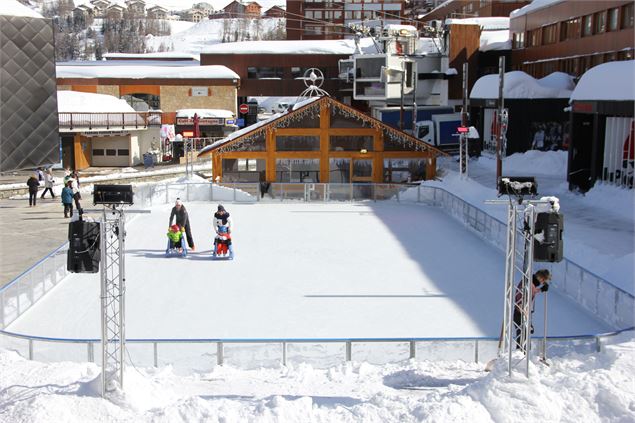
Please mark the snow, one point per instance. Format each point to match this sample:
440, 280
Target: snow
599, 227
144, 72
495, 40
518, 84
78, 102
612, 81
574, 388
308, 47
175, 5
533, 6
14, 8
205, 113
161, 55
487, 23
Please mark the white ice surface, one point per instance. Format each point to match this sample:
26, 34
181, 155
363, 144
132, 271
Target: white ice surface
371, 270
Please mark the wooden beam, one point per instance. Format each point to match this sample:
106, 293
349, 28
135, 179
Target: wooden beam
352, 131
270, 165
325, 123
298, 131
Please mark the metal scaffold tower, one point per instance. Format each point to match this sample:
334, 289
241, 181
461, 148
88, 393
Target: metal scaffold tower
113, 289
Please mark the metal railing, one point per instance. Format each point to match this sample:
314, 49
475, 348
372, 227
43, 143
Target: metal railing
593, 293
107, 121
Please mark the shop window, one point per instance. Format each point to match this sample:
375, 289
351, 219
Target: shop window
614, 23
243, 170
627, 16
404, 170
123, 152
98, 152
351, 142
297, 143
264, 73
298, 170
599, 21
587, 25
339, 171
111, 152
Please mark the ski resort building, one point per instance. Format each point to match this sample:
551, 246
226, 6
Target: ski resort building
321, 140
28, 104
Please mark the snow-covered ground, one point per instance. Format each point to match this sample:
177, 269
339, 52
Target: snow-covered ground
599, 227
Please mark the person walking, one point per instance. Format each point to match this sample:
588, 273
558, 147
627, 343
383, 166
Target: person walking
48, 183
74, 178
182, 219
33, 185
67, 199
539, 283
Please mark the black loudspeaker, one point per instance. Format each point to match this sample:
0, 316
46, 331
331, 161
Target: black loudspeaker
548, 237
84, 251
112, 194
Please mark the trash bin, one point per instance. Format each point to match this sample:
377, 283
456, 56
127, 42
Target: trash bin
148, 160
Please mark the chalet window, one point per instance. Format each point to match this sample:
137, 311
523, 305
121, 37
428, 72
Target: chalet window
533, 38
264, 73
339, 171
627, 16
313, 29
614, 23
98, 151
404, 170
111, 152
337, 14
351, 142
600, 23
123, 152
587, 25
243, 170
549, 34
308, 14
297, 143
570, 29
298, 170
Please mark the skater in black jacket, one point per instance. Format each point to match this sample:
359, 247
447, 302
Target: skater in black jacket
183, 220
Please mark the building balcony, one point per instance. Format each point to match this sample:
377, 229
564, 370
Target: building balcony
99, 122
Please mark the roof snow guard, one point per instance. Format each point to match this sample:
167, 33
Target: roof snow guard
311, 108
28, 102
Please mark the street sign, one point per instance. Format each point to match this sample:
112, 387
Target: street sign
244, 109
463, 129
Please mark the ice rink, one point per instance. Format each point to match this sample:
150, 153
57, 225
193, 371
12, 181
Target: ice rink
305, 270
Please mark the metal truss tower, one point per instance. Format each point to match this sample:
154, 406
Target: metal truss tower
113, 289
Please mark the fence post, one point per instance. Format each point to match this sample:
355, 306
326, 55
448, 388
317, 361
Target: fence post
476, 351
156, 354
284, 354
413, 349
167, 197
30, 349
350, 186
91, 352
418, 193
219, 353
349, 351
598, 344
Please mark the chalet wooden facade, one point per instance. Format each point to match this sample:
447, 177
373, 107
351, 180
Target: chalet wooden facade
322, 141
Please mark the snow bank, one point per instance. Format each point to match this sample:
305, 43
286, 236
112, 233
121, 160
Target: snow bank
533, 6
78, 102
518, 84
488, 23
532, 162
205, 113
14, 8
612, 81
495, 40
308, 47
575, 388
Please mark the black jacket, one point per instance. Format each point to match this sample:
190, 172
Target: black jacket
33, 183
182, 218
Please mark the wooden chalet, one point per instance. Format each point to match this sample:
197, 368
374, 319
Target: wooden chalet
322, 141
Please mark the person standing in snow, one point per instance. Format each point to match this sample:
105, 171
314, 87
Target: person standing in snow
33, 184
183, 220
48, 183
539, 283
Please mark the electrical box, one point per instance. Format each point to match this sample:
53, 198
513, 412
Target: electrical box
548, 237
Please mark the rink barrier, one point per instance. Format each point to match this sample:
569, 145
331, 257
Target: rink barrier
275, 352
607, 302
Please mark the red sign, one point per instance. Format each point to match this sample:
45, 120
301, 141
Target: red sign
244, 109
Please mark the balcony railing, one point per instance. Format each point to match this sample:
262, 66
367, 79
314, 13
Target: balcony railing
76, 122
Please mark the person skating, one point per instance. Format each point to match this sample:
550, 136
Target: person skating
67, 198
182, 219
222, 227
539, 283
33, 185
48, 183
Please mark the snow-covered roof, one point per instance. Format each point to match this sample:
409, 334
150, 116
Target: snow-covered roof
145, 72
489, 24
305, 47
608, 81
141, 56
495, 40
77, 102
533, 6
518, 84
14, 8
204, 113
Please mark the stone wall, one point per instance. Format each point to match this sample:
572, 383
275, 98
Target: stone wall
174, 98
